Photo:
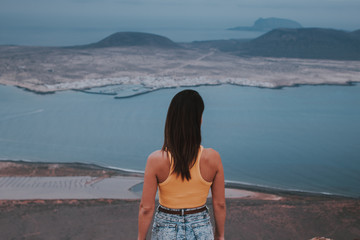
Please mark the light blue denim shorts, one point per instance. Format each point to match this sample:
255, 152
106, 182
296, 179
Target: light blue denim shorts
192, 226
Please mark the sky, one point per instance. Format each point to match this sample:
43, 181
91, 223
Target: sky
47, 22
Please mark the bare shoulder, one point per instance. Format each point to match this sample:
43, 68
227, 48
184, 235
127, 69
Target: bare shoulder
159, 165
211, 156
211, 152
157, 157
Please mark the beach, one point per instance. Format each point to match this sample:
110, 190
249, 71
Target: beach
102, 203
32, 181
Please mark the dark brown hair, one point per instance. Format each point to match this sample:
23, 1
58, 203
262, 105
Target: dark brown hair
183, 131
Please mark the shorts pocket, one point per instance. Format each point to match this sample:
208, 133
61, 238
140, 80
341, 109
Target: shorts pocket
164, 231
203, 230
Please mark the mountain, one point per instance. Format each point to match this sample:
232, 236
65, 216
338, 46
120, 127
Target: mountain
230, 45
311, 43
267, 24
305, 43
356, 33
129, 39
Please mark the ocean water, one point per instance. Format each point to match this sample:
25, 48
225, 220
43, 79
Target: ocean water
300, 138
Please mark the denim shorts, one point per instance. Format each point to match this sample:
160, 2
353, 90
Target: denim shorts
192, 226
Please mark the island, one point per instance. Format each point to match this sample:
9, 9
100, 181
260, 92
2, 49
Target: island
267, 24
280, 58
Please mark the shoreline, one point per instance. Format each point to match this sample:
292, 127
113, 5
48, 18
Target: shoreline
65, 170
86, 89
20, 180
53, 70
253, 215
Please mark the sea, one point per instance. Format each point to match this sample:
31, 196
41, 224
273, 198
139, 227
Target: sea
304, 138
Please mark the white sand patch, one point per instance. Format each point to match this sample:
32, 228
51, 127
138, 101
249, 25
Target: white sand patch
85, 187
82, 187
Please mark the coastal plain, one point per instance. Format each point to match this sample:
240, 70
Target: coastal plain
50, 69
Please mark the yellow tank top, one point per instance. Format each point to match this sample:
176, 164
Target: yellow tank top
177, 193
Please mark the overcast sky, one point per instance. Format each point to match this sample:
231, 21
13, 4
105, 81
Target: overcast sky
87, 15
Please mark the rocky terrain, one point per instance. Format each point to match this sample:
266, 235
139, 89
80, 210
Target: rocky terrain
112, 61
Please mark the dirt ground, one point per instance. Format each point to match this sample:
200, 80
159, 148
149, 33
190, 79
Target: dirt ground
290, 218
261, 215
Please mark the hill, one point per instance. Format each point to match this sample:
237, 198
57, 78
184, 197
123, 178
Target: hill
231, 45
356, 33
129, 39
316, 43
268, 24
311, 43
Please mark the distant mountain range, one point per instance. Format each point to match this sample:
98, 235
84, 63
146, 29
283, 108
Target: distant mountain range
312, 43
306, 43
128, 39
356, 33
268, 24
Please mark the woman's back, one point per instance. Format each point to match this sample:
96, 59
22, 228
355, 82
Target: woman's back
184, 173
177, 193
209, 163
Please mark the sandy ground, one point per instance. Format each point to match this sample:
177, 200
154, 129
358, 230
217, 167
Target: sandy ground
26, 181
250, 214
46, 69
80, 187
86, 187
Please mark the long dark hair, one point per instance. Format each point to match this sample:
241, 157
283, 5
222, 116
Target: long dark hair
183, 131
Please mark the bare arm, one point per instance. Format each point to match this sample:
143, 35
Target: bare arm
218, 199
147, 204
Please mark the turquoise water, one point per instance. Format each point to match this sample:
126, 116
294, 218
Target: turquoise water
302, 138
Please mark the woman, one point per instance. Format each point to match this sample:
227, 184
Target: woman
184, 171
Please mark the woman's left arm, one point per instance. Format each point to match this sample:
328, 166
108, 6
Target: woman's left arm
147, 204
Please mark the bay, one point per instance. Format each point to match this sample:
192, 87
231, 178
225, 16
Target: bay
301, 138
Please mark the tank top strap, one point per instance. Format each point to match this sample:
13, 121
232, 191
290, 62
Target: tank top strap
169, 156
197, 161
171, 164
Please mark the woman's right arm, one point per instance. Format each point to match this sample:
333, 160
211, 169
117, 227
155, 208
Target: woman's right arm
218, 198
